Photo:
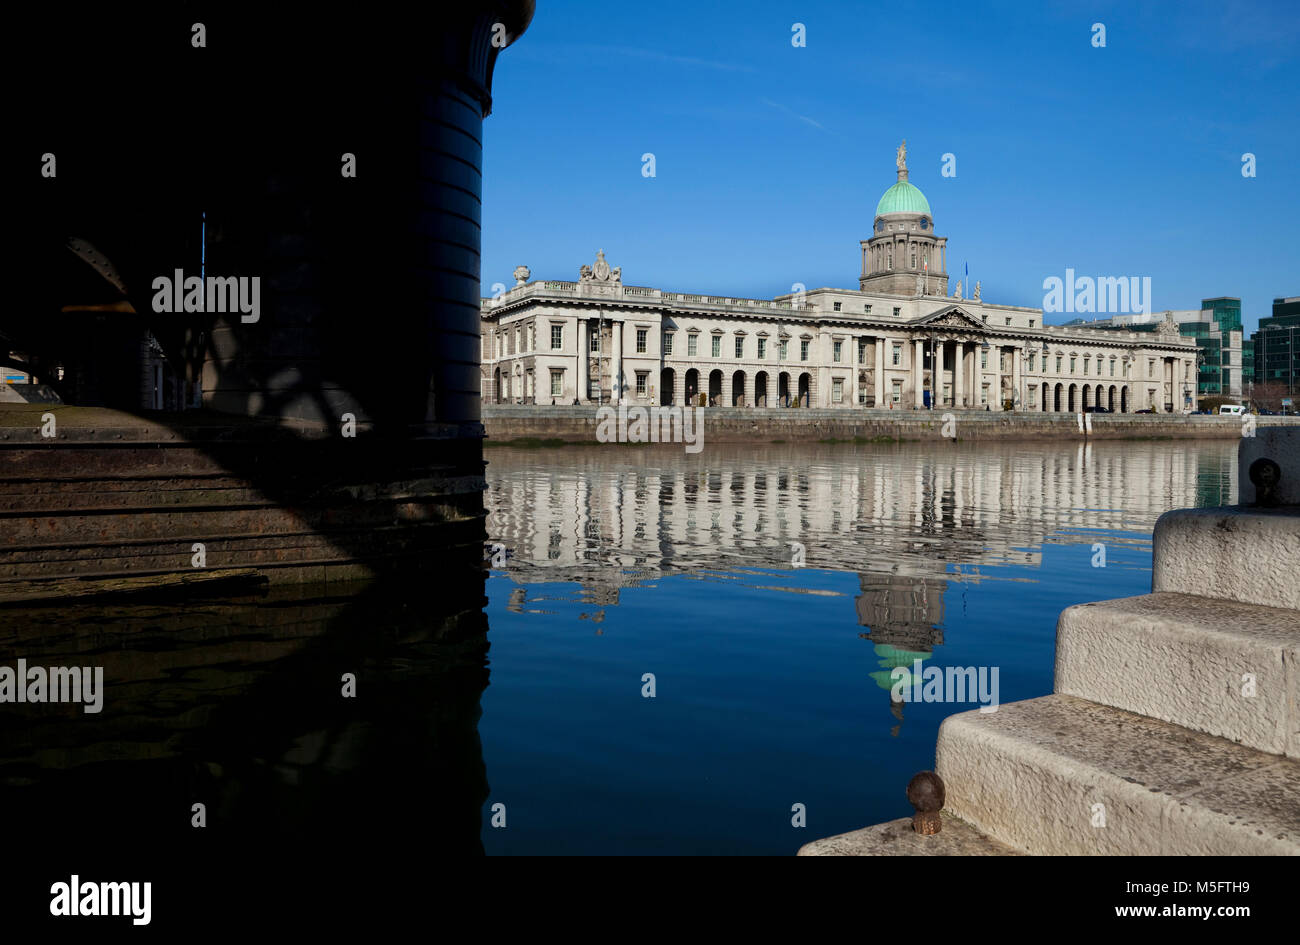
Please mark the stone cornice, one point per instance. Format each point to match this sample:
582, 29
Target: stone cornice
623, 301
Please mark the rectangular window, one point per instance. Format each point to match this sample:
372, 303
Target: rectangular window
1008, 321
641, 377
984, 394
862, 351
557, 337
784, 349
557, 382
837, 306
1086, 365
896, 311
867, 308
1072, 360
803, 351
1031, 323
640, 340
692, 346
762, 348
668, 343
740, 346
593, 341
896, 394
1033, 396
1058, 364
1151, 367
838, 347
984, 359
717, 346
837, 390
1112, 367
1031, 360
898, 354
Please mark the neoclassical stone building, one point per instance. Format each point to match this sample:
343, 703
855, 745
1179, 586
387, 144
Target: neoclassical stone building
899, 341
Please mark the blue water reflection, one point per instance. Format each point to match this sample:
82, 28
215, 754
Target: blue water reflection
772, 681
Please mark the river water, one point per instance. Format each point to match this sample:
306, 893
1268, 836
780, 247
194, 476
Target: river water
679, 653
772, 682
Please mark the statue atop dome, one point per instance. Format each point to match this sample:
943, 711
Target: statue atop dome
901, 160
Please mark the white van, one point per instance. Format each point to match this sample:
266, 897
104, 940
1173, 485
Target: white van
1231, 410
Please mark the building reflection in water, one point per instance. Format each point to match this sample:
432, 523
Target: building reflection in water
908, 518
903, 616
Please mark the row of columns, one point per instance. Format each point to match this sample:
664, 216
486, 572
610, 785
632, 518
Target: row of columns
967, 371
584, 357
964, 372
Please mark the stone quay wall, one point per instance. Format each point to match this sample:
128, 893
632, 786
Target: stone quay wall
730, 424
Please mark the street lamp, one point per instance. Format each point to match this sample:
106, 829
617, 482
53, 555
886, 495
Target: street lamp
1200, 360
984, 350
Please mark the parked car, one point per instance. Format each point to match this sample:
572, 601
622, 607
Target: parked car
1096, 410
1148, 410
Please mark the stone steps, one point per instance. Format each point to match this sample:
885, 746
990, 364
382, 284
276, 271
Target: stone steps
1175, 724
1033, 773
1242, 554
1225, 668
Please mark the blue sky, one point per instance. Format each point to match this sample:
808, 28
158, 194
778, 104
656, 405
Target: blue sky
1119, 161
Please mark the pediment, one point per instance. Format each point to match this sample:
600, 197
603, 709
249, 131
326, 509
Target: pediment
954, 316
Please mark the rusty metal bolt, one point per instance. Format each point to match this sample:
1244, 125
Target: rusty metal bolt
1265, 474
925, 793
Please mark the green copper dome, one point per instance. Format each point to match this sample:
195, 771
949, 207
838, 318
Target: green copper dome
903, 198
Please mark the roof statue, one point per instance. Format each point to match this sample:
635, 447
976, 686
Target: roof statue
601, 271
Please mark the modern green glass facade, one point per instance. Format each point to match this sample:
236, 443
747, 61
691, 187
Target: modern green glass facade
1277, 347
1227, 312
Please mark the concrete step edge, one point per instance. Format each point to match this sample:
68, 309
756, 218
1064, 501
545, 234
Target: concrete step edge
1061, 775
1226, 668
896, 838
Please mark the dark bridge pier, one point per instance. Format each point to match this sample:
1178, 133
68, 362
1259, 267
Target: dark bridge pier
228, 161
